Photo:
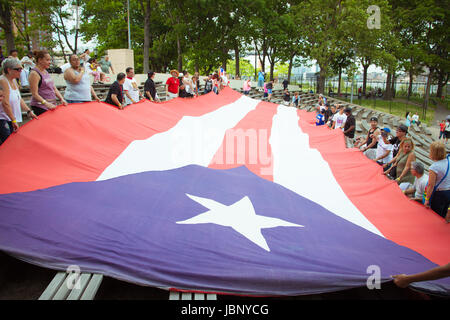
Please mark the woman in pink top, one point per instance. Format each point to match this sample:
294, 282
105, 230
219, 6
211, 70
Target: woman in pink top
247, 86
42, 87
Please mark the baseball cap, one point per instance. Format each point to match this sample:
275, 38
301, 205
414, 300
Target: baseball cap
348, 109
386, 129
374, 119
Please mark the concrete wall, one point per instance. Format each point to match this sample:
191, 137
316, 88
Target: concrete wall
121, 59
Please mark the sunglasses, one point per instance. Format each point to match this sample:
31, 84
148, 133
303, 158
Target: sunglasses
18, 69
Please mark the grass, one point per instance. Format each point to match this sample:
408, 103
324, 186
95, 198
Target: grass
397, 108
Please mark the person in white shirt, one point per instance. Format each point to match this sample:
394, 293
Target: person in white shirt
130, 88
188, 87
384, 147
27, 63
225, 79
418, 189
339, 119
415, 119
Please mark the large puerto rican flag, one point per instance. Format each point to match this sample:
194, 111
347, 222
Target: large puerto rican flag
220, 193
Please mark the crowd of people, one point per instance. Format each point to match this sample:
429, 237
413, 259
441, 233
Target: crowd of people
395, 153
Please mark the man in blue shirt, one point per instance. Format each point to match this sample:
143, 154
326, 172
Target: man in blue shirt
320, 118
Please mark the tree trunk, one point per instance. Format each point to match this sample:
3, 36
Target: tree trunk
387, 92
291, 62
272, 68
321, 82
394, 78
180, 58
365, 66
237, 60
427, 90
442, 81
411, 78
7, 24
146, 36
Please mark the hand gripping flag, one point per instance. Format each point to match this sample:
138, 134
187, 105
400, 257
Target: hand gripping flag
217, 194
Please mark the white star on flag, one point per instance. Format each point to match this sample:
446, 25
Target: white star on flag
240, 216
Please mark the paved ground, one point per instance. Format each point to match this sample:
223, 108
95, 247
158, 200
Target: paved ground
23, 281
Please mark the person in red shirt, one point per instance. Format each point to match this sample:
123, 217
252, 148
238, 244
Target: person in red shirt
442, 131
172, 86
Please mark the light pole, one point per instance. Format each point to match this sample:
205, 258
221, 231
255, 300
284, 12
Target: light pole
129, 31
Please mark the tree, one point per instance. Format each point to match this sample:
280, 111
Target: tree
6, 23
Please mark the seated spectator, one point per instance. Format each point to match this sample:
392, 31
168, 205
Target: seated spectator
195, 85
105, 65
286, 97
339, 118
415, 119
442, 130
295, 100
383, 153
400, 135
269, 90
402, 162
369, 144
330, 122
247, 86
417, 190
183, 93
438, 188
320, 118
27, 63
266, 94
115, 93
328, 112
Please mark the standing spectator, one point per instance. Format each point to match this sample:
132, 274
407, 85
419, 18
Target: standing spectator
78, 82
187, 83
105, 65
339, 119
247, 86
285, 84
438, 188
442, 130
42, 87
402, 162
260, 79
208, 84
172, 85
369, 145
27, 63
84, 57
383, 153
130, 87
349, 127
286, 97
420, 183
150, 88
266, 93
115, 93
12, 103
328, 112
